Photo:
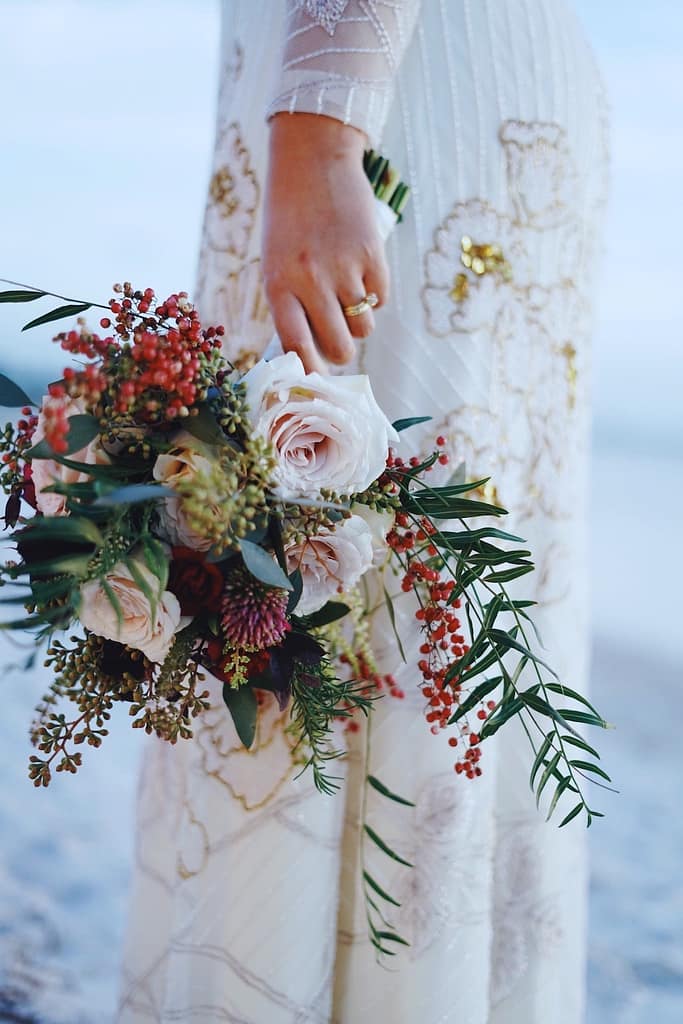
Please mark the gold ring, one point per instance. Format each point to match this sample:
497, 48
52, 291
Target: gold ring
368, 301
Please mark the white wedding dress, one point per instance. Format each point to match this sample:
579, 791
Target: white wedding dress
246, 902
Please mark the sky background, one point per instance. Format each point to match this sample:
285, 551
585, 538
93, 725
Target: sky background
107, 129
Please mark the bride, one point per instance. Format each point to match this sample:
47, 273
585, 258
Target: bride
245, 901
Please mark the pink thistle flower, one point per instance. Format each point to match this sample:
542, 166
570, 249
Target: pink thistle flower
253, 615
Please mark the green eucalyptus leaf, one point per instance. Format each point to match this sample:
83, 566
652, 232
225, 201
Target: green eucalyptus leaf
11, 395
242, 705
263, 566
296, 579
72, 309
331, 612
205, 427
134, 494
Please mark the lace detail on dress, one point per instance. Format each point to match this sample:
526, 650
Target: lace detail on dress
326, 12
340, 58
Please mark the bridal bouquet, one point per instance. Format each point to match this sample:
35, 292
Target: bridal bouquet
174, 519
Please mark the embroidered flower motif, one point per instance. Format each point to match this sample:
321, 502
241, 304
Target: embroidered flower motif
234, 194
468, 270
542, 180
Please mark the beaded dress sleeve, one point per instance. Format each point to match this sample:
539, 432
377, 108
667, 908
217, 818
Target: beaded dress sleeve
340, 58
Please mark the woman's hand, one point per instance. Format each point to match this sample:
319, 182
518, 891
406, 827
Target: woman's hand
321, 248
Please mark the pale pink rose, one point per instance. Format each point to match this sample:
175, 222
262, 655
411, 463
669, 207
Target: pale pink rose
328, 433
331, 562
46, 472
183, 462
136, 629
379, 524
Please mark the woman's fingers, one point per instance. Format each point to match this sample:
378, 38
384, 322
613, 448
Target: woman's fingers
360, 325
376, 279
294, 331
329, 326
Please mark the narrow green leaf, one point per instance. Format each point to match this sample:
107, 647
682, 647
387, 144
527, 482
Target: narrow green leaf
134, 494
552, 765
572, 814
579, 741
330, 612
507, 710
381, 788
143, 584
559, 790
392, 619
506, 575
475, 697
113, 601
583, 716
410, 421
263, 566
296, 579
588, 766
242, 705
60, 528
378, 841
21, 296
533, 700
380, 948
379, 890
73, 309
391, 937
205, 427
11, 395
508, 641
540, 757
565, 691
156, 559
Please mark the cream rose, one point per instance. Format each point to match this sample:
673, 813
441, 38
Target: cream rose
46, 472
182, 463
327, 432
331, 562
379, 524
136, 629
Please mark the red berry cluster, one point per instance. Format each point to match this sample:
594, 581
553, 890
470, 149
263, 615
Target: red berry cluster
443, 642
55, 421
375, 682
151, 367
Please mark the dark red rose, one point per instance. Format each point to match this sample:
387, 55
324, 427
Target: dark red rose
196, 583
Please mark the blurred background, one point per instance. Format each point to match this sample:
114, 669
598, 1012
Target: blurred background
107, 129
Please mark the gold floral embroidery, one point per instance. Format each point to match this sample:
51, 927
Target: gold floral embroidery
512, 302
234, 194
225, 759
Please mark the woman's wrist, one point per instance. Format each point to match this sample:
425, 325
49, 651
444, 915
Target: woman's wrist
315, 137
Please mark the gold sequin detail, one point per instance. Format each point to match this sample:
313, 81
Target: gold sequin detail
487, 258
